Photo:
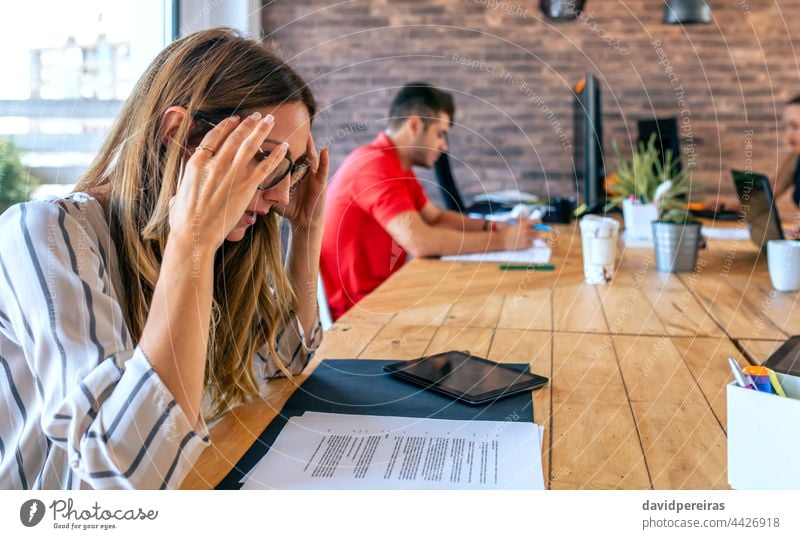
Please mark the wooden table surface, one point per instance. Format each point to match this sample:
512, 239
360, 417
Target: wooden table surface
637, 367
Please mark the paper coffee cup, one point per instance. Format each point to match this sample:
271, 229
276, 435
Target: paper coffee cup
783, 261
599, 240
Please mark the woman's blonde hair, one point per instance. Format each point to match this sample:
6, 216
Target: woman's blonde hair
215, 72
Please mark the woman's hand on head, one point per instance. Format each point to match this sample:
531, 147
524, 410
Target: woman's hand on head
218, 183
307, 203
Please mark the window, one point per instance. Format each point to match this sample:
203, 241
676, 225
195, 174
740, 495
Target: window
68, 67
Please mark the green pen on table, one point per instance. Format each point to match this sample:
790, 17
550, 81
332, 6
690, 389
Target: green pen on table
528, 267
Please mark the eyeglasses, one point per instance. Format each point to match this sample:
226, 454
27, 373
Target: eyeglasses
295, 171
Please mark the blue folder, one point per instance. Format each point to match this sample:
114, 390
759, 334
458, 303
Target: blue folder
348, 386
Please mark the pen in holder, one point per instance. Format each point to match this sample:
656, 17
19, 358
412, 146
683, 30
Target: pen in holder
762, 424
760, 376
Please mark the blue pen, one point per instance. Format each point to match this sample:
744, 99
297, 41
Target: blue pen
535, 226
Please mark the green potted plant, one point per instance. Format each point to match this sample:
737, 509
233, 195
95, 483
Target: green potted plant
639, 185
16, 183
677, 240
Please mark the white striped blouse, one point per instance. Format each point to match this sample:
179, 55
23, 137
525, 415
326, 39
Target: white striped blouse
82, 407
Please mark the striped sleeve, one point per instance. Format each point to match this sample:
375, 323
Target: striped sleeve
103, 402
294, 349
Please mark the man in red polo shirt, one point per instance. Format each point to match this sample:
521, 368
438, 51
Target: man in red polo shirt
377, 211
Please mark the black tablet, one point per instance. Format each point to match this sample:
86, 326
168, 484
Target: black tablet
786, 359
468, 378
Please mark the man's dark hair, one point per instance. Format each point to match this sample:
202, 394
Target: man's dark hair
420, 99
794, 101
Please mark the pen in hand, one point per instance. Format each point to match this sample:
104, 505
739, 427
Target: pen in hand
535, 226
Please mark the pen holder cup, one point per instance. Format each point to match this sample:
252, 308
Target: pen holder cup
638, 220
764, 436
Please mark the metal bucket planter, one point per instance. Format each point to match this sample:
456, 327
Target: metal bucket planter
676, 246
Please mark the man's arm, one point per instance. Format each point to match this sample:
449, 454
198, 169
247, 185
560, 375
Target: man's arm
417, 237
437, 217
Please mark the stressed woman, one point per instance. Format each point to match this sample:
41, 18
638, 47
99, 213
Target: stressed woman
154, 297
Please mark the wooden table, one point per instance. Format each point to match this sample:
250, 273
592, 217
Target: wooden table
637, 368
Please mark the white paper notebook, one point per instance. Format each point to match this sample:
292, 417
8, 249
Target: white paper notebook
539, 253
720, 233
341, 451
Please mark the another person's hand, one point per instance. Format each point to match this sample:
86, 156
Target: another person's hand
502, 225
520, 235
219, 181
307, 203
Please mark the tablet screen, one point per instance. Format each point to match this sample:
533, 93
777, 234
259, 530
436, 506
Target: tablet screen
786, 359
460, 374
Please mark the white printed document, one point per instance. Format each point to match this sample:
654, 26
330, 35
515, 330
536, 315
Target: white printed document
539, 253
339, 451
725, 233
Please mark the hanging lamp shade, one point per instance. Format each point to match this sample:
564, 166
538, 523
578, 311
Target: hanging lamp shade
561, 9
687, 12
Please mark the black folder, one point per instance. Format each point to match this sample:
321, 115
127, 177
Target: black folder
347, 386
786, 359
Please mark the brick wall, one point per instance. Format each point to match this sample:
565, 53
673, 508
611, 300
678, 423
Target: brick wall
511, 72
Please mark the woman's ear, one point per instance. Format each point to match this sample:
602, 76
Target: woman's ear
170, 121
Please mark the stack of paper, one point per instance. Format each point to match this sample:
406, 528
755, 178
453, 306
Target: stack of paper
538, 254
509, 196
726, 233
338, 451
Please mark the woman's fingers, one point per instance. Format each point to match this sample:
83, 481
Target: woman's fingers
268, 165
311, 154
324, 164
319, 162
214, 139
227, 147
236, 145
249, 140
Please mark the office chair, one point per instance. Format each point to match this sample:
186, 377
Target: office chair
325, 318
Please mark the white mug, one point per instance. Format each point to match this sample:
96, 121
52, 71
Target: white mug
783, 261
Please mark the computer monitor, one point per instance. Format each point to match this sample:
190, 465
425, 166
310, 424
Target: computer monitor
451, 196
666, 132
758, 206
447, 184
588, 161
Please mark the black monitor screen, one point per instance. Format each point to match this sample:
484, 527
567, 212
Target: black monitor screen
666, 133
588, 149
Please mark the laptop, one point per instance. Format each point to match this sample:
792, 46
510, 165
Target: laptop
757, 206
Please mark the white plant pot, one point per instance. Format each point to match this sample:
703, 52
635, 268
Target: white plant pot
638, 220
